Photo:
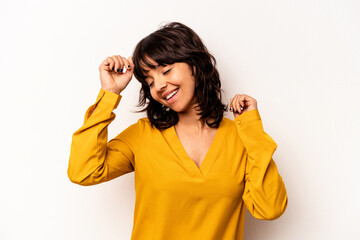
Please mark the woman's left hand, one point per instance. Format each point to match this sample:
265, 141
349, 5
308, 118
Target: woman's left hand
242, 103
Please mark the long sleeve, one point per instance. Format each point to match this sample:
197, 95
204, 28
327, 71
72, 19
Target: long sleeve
264, 194
93, 160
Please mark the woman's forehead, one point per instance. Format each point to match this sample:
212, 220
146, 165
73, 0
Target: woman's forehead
148, 60
145, 67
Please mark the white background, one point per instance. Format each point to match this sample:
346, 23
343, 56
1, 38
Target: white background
299, 59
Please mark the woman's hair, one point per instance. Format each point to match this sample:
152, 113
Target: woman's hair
175, 42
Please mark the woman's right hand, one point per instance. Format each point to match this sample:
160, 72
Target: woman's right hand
112, 80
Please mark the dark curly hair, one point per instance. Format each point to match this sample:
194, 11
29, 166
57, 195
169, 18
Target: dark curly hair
175, 42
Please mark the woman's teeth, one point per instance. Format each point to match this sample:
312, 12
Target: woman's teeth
172, 94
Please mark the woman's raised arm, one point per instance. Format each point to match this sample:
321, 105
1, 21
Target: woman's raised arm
265, 194
93, 160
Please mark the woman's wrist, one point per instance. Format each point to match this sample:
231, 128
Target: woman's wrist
113, 91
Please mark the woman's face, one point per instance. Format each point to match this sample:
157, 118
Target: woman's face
164, 80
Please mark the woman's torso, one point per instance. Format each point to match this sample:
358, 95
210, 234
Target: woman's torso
196, 146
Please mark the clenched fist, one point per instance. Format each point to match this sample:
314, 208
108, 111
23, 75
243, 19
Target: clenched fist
112, 76
242, 103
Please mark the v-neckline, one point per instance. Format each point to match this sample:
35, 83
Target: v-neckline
209, 159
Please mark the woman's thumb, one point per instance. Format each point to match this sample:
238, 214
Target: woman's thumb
130, 71
130, 59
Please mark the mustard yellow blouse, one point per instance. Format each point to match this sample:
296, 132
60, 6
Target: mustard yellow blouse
175, 199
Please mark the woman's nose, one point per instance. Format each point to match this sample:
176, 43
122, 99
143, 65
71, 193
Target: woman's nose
160, 84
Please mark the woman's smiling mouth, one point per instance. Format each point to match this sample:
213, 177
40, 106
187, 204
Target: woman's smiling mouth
172, 96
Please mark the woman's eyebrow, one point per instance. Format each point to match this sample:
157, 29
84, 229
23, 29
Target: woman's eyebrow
157, 66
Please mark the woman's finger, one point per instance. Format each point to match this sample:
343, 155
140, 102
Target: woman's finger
118, 63
237, 103
110, 63
231, 105
127, 63
131, 62
241, 102
122, 63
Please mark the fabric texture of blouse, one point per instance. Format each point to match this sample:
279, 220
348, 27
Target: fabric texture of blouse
174, 198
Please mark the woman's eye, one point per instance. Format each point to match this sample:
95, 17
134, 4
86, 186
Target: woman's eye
163, 73
167, 71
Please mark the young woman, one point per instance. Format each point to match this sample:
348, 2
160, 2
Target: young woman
195, 170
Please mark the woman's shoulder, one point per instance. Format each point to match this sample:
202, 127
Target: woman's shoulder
144, 126
229, 125
144, 122
140, 125
136, 132
227, 121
